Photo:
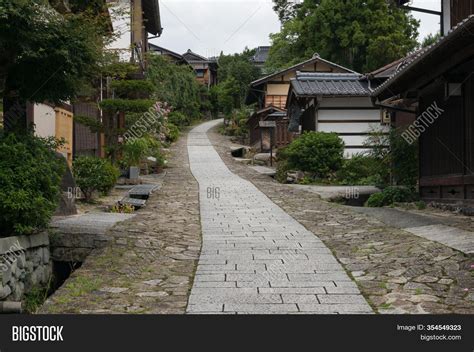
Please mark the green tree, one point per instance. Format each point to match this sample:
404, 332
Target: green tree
359, 34
175, 84
430, 39
235, 74
44, 55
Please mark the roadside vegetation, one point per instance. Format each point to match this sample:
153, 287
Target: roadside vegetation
318, 157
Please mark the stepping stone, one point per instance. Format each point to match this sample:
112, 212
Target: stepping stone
264, 170
142, 191
137, 203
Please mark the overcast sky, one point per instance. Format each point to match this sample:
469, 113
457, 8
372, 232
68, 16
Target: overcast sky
209, 26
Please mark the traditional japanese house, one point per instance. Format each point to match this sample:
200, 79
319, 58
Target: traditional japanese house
439, 84
206, 69
261, 56
272, 91
170, 55
335, 102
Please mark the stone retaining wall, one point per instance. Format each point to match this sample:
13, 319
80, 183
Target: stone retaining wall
25, 263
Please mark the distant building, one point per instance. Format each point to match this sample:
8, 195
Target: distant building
272, 92
171, 55
261, 56
205, 68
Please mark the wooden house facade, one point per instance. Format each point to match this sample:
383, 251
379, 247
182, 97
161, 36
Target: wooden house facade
439, 83
205, 69
269, 113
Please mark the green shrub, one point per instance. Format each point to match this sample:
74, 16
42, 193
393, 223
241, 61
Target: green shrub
360, 170
134, 150
173, 133
237, 125
179, 119
317, 152
391, 195
282, 171
397, 160
376, 200
30, 177
404, 159
94, 174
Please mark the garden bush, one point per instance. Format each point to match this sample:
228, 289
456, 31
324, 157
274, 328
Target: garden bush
173, 133
94, 175
391, 195
404, 159
237, 123
319, 153
134, 150
30, 177
179, 119
360, 170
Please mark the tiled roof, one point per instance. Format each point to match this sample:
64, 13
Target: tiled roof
261, 54
465, 27
329, 84
316, 58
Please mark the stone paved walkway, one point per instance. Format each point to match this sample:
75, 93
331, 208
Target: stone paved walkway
255, 257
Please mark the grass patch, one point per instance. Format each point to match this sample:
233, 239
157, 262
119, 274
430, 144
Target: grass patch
81, 286
385, 306
34, 299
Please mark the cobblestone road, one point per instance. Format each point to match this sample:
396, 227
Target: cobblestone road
255, 257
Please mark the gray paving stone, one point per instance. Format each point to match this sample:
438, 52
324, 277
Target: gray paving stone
261, 308
301, 298
334, 308
350, 299
257, 248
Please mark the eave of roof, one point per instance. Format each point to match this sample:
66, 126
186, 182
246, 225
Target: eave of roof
464, 28
268, 108
296, 67
151, 11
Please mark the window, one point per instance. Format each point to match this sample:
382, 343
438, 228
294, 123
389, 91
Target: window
200, 73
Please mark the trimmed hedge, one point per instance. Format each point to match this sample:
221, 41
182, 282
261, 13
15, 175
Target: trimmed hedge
124, 105
132, 89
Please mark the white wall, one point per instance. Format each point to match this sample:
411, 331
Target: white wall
44, 118
349, 121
